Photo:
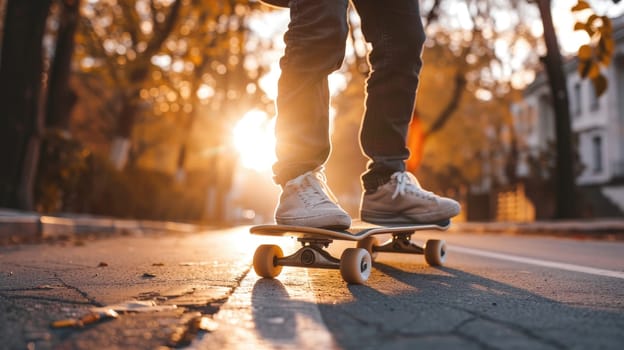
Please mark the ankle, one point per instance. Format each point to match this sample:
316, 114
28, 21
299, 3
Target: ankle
371, 184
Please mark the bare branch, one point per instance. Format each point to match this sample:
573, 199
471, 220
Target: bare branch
460, 84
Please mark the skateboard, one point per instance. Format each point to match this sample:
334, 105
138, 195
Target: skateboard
354, 263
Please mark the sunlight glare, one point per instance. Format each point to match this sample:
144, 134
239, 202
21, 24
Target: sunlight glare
268, 82
254, 140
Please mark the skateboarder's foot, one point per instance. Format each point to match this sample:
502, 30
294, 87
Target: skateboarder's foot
402, 201
307, 201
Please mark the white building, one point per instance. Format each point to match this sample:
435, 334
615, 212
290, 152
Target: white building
598, 123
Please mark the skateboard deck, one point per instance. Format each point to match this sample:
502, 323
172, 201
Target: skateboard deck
358, 231
354, 263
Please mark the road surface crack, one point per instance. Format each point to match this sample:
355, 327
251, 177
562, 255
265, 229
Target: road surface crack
529, 333
42, 298
84, 294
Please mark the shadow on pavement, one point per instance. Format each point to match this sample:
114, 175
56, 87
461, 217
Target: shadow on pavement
407, 305
273, 310
449, 308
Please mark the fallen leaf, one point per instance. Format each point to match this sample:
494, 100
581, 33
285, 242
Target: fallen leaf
135, 306
65, 323
90, 318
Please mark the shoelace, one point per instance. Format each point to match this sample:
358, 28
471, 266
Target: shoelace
318, 186
406, 182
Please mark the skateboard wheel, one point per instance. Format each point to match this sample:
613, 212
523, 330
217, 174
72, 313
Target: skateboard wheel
265, 260
368, 243
355, 265
435, 252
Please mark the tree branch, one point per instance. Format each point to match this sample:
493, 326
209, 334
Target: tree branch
460, 84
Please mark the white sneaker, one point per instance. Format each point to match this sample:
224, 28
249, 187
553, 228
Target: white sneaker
402, 201
307, 201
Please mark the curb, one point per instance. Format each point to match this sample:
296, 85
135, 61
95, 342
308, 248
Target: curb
18, 227
21, 227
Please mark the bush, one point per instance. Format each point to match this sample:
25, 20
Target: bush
73, 179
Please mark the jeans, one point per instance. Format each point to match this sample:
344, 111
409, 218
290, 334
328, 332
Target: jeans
315, 47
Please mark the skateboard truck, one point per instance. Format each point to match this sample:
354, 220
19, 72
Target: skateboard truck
400, 243
311, 254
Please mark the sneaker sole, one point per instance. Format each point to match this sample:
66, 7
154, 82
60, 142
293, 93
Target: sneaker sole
334, 223
393, 218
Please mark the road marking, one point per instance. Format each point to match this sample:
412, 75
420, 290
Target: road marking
539, 262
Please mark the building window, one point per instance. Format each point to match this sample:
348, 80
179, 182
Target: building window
597, 152
578, 107
595, 100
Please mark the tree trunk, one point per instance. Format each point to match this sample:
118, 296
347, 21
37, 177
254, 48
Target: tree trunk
60, 97
565, 187
20, 102
121, 145
122, 142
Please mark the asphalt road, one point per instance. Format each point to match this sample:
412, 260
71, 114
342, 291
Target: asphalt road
495, 292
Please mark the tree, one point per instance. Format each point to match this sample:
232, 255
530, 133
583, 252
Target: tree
187, 48
213, 75
553, 63
590, 56
201, 80
60, 98
219, 83
20, 90
123, 39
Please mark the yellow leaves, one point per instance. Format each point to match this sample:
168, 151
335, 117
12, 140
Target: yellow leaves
588, 69
600, 84
579, 26
585, 52
600, 49
595, 25
588, 66
607, 26
606, 47
580, 6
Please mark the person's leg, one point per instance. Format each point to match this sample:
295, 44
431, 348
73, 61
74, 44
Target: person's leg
315, 44
396, 34
395, 31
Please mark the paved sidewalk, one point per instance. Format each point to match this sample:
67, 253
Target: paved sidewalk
18, 226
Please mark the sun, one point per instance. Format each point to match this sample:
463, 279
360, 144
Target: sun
254, 140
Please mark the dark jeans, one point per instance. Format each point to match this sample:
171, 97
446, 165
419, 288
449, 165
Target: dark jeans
315, 46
